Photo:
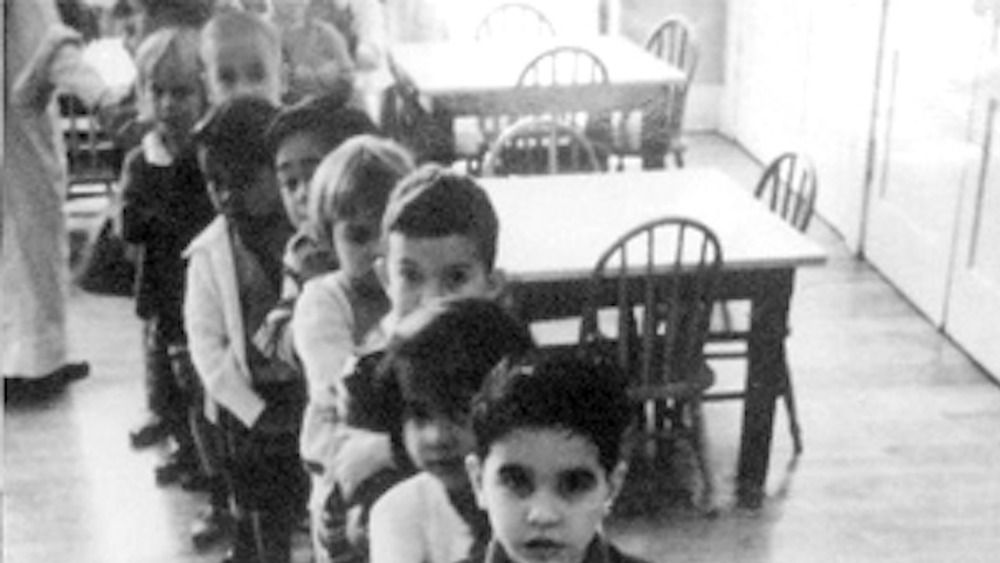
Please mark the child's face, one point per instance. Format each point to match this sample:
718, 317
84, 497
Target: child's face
177, 101
546, 493
439, 443
418, 271
296, 159
356, 241
239, 66
258, 199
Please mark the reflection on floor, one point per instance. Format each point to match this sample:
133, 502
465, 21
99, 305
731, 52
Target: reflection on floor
900, 428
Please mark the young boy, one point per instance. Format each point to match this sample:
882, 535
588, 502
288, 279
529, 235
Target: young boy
233, 281
242, 56
164, 205
439, 236
549, 459
437, 362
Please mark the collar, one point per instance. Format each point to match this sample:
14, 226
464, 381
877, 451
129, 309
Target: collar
155, 149
597, 552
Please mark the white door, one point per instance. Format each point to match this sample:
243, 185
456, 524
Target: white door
974, 305
926, 154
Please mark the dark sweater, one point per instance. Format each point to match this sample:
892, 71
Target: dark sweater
163, 208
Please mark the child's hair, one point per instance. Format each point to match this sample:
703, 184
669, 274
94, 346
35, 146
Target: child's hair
234, 23
173, 46
328, 117
355, 180
436, 202
586, 397
442, 353
233, 135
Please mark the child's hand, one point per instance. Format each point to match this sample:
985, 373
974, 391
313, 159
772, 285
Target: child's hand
361, 454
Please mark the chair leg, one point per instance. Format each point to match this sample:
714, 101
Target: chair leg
701, 454
793, 417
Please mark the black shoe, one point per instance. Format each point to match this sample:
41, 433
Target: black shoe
19, 389
175, 469
149, 434
210, 527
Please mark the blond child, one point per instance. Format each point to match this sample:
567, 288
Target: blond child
338, 312
164, 205
317, 58
242, 56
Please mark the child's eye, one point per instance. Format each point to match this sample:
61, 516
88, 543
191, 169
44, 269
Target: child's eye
257, 73
516, 480
227, 76
410, 276
576, 483
456, 279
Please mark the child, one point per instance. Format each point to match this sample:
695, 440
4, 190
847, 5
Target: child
549, 461
301, 136
164, 205
338, 311
233, 281
242, 56
438, 361
317, 58
439, 237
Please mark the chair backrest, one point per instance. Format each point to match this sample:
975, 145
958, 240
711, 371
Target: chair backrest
651, 296
538, 145
673, 41
564, 66
514, 20
92, 155
788, 187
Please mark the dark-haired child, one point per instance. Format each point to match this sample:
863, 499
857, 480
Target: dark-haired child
438, 360
549, 459
233, 281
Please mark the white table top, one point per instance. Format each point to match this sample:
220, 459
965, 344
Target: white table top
467, 67
555, 227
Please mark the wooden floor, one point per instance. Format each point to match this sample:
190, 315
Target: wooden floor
901, 461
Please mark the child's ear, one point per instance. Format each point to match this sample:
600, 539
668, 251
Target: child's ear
381, 272
497, 283
616, 480
474, 467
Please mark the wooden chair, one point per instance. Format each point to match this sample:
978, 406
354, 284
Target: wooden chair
514, 20
674, 42
788, 187
659, 278
563, 66
535, 145
93, 158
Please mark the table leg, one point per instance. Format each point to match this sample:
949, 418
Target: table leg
767, 369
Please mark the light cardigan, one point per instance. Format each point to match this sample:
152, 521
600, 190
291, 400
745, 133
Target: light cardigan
213, 321
415, 522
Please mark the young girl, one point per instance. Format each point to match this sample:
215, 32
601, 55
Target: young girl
233, 281
316, 57
164, 205
338, 312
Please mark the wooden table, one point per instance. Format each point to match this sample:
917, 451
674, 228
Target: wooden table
552, 229
480, 78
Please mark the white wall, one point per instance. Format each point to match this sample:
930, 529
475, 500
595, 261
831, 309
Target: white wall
799, 75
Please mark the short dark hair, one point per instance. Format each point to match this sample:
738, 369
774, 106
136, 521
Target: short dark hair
233, 133
436, 202
442, 353
329, 117
584, 396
